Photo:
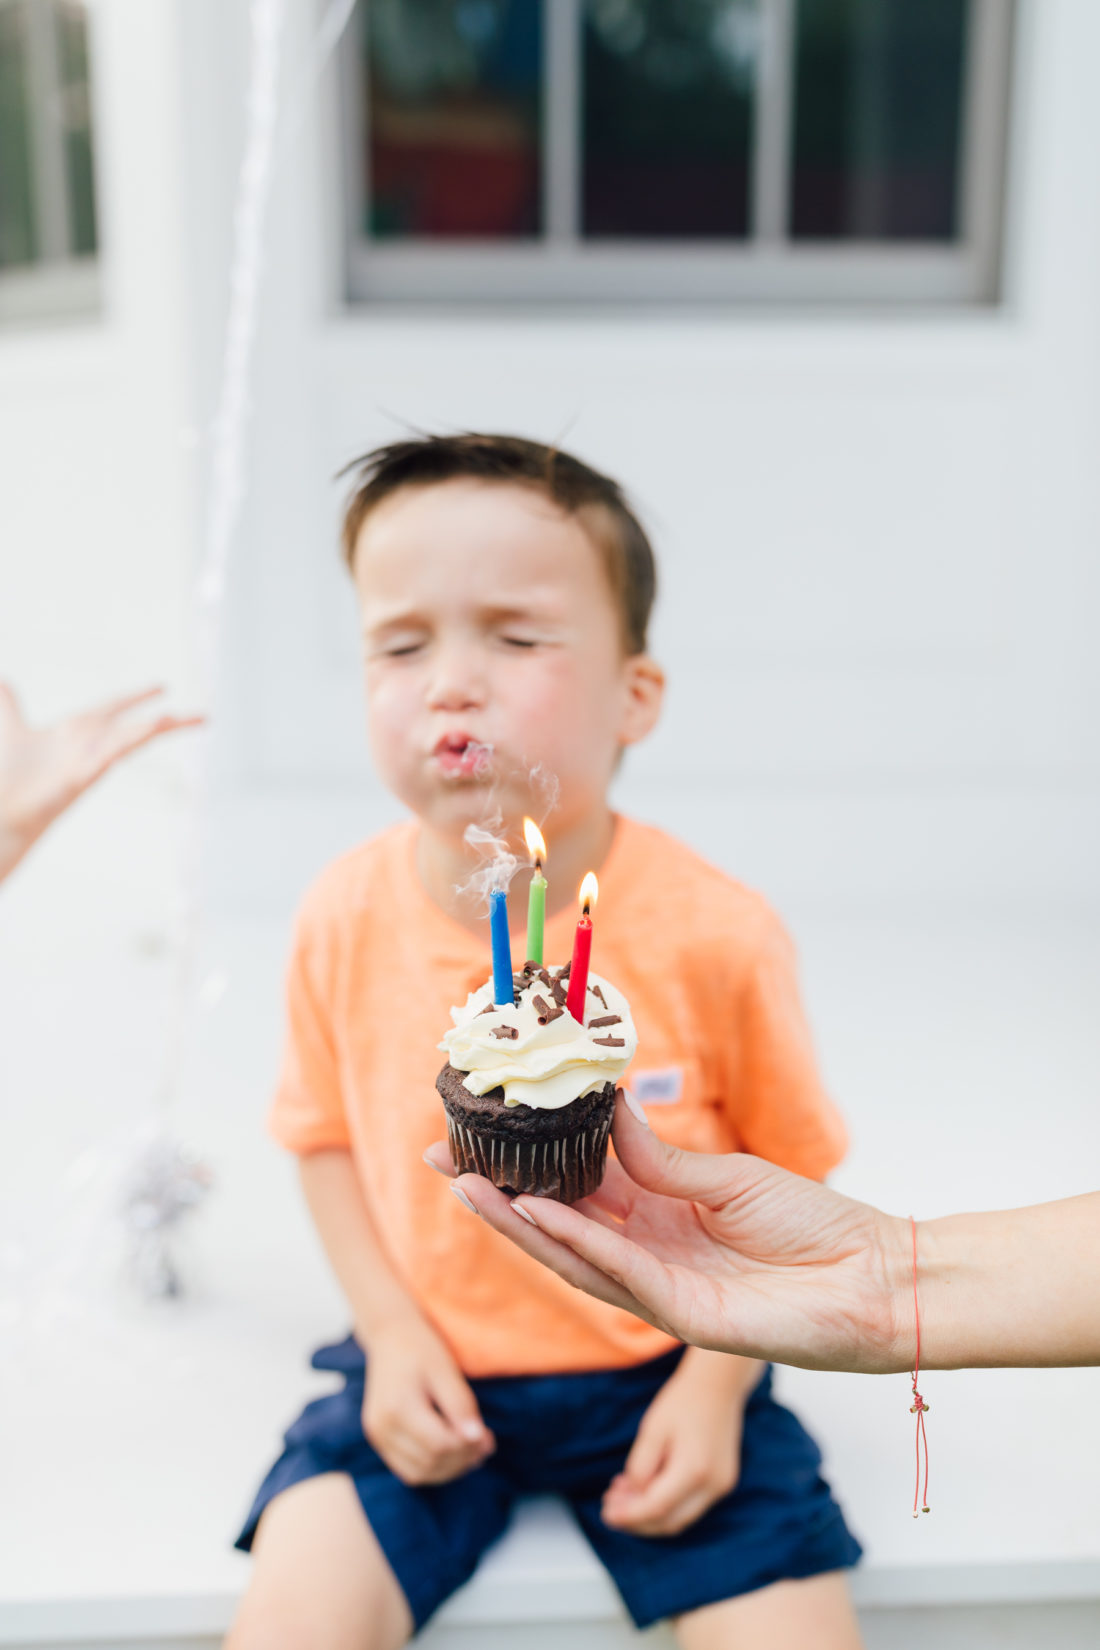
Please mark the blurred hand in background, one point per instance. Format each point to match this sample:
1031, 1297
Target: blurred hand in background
44, 770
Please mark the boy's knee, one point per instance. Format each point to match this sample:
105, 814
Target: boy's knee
277, 1622
271, 1626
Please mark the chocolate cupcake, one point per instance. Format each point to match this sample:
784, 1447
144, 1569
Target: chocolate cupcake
528, 1091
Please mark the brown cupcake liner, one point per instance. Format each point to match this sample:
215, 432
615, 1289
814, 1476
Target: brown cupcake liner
567, 1168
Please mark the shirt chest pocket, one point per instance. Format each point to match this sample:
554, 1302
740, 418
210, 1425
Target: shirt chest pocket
673, 1094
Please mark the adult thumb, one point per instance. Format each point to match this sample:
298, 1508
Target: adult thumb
669, 1170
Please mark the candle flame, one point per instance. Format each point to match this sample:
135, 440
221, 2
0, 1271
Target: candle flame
536, 847
589, 893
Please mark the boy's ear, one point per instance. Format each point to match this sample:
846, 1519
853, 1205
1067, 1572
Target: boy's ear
644, 685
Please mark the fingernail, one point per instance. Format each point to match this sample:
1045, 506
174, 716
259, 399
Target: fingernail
472, 1429
634, 1109
426, 1159
518, 1209
463, 1199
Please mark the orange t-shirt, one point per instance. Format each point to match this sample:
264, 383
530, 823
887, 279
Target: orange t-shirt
724, 1063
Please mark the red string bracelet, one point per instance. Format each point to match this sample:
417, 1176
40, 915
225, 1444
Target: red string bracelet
919, 1408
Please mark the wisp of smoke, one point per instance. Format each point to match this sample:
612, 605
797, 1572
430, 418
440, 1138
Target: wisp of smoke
482, 755
546, 788
499, 863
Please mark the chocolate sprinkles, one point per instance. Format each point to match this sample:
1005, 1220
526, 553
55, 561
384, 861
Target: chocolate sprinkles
505, 1031
596, 992
606, 1020
546, 1012
610, 1042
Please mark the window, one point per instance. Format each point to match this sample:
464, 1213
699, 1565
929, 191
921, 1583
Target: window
48, 237
775, 150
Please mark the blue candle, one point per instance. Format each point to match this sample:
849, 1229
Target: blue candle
502, 949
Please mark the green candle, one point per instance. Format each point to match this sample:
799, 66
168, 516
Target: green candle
536, 899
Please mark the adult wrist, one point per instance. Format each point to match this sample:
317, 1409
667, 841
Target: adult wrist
948, 1293
896, 1248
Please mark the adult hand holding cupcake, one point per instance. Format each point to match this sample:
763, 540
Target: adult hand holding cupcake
726, 1252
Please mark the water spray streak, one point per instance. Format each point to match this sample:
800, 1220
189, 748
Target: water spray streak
164, 1180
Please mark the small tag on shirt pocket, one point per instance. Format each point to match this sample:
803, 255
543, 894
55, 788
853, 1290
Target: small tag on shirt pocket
662, 1086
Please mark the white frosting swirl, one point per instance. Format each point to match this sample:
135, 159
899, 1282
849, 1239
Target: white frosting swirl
546, 1066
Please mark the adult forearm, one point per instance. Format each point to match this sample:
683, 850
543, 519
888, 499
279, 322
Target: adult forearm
343, 1221
1018, 1287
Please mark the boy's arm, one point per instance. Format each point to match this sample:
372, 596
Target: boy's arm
335, 1199
419, 1411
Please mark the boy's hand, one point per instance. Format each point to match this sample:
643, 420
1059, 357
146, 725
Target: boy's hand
44, 770
687, 1452
419, 1410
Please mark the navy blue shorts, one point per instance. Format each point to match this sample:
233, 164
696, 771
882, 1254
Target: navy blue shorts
569, 1435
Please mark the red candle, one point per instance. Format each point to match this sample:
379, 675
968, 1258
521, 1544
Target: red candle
582, 950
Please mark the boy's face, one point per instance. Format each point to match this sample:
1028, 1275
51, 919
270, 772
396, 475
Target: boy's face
488, 621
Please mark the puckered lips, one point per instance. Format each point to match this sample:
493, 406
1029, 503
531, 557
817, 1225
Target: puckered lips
460, 756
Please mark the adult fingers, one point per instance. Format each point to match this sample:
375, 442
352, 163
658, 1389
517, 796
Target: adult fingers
615, 1269
525, 1232
438, 1157
710, 1180
128, 737
616, 1194
126, 701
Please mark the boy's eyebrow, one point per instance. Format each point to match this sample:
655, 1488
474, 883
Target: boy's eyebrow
518, 610
394, 621
497, 611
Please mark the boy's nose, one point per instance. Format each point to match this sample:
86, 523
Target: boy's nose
457, 684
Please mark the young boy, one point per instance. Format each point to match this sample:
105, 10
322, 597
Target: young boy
505, 591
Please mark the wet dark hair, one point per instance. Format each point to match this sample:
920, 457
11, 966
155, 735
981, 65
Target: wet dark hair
577, 489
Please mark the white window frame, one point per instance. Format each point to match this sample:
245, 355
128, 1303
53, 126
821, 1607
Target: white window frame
59, 284
767, 267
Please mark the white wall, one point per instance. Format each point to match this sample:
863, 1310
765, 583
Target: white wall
877, 534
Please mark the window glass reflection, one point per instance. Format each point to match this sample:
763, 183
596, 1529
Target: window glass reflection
667, 116
18, 236
877, 118
453, 103
76, 120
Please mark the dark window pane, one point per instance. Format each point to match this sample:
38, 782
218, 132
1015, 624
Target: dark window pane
667, 116
453, 100
878, 118
76, 121
18, 238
